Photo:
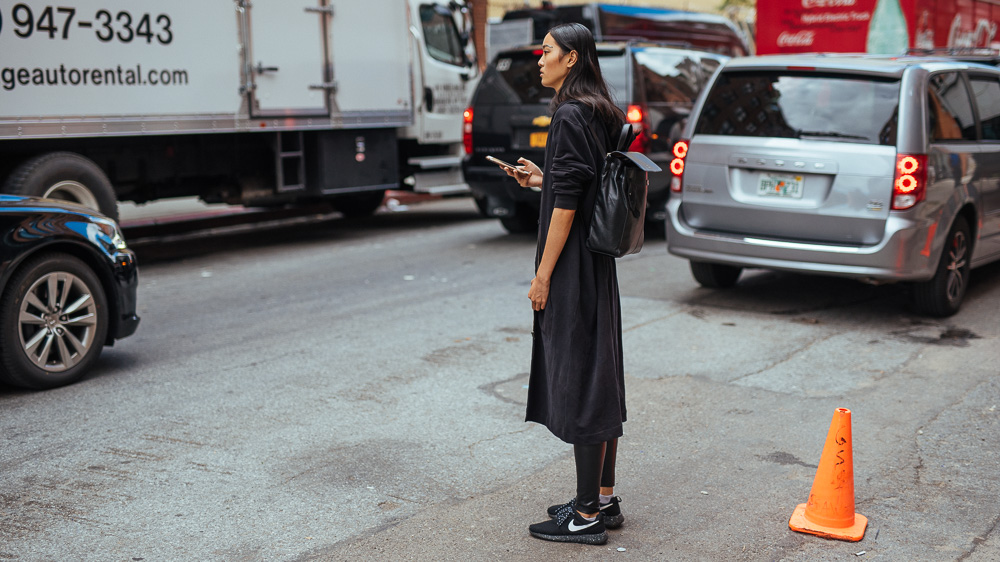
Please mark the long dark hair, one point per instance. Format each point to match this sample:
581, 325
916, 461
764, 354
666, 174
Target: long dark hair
584, 82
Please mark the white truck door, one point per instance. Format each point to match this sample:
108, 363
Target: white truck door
444, 90
288, 57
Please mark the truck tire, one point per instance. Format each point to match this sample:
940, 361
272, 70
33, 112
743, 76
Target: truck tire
46, 342
942, 295
65, 176
715, 275
359, 204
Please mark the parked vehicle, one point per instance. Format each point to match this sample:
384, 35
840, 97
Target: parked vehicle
67, 288
883, 27
654, 85
880, 169
611, 22
261, 103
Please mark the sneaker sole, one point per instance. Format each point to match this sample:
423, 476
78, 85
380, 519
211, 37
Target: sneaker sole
593, 538
614, 521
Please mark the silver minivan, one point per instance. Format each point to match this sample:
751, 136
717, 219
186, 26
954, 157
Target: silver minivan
881, 169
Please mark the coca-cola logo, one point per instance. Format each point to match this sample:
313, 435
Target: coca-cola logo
802, 38
807, 4
981, 36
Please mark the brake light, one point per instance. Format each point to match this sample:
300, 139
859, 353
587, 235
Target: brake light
909, 186
634, 115
677, 165
467, 130
637, 117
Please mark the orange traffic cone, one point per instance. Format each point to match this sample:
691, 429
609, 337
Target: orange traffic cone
829, 512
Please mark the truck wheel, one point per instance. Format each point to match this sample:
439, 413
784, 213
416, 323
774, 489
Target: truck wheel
53, 322
943, 294
65, 176
359, 204
524, 220
715, 275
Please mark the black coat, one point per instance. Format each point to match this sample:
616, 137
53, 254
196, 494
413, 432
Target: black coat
577, 383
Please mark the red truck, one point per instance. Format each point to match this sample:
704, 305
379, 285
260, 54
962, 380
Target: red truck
875, 26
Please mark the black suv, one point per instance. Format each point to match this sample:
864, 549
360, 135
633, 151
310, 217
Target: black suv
654, 85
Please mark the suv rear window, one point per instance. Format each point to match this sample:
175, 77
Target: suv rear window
802, 105
516, 79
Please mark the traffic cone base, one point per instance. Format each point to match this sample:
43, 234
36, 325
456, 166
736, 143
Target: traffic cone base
799, 522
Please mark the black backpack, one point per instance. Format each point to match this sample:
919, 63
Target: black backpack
617, 223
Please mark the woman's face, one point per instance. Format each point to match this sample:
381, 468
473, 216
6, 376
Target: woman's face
554, 63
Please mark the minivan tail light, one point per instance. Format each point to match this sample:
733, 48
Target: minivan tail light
677, 165
909, 185
467, 130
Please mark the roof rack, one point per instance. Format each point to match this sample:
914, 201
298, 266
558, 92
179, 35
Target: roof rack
954, 51
632, 39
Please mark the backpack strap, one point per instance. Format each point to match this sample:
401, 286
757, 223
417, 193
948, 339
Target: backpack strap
625, 138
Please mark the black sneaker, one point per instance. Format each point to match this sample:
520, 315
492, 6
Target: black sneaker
613, 517
569, 526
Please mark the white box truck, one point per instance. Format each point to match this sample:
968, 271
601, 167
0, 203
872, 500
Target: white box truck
264, 103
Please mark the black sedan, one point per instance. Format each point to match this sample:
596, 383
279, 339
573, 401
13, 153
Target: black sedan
67, 289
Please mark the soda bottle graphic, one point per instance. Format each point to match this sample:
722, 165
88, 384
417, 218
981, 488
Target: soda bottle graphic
887, 32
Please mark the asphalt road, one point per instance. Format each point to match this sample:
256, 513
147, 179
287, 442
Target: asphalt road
354, 390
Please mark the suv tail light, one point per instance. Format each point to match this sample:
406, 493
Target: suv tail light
467, 130
637, 117
909, 187
677, 165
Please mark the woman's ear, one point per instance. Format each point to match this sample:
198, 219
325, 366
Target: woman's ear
573, 55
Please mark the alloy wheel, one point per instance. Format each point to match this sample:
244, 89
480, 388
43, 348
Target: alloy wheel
57, 321
957, 259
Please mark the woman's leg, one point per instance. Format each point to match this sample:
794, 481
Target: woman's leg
589, 464
608, 473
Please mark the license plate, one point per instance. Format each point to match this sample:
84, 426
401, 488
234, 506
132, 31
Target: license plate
774, 185
538, 140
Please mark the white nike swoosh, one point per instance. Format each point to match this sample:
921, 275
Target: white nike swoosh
573, 528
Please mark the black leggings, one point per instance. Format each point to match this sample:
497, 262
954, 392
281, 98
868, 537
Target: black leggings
595, 469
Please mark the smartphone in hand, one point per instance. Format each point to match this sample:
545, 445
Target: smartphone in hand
508, 165
500, 162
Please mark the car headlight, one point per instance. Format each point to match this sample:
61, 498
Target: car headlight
112, 233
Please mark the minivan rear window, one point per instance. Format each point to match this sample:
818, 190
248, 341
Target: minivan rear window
834, 107
516, 80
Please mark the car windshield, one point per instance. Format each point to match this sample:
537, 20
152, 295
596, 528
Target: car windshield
516, 79
834, 107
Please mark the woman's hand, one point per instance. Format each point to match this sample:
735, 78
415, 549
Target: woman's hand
527, 174
559, 226
539, 293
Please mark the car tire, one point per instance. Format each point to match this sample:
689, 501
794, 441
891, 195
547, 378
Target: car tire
715, 275
358, 205
524, 221
482, 205
53, 322
65, 176
942, 295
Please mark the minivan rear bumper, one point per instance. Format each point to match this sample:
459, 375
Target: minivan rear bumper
907, 251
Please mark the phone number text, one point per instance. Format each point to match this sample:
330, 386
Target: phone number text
123, 26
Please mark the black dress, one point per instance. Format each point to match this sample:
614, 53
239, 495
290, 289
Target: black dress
577, 383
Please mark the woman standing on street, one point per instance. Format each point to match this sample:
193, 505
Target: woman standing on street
577, 387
